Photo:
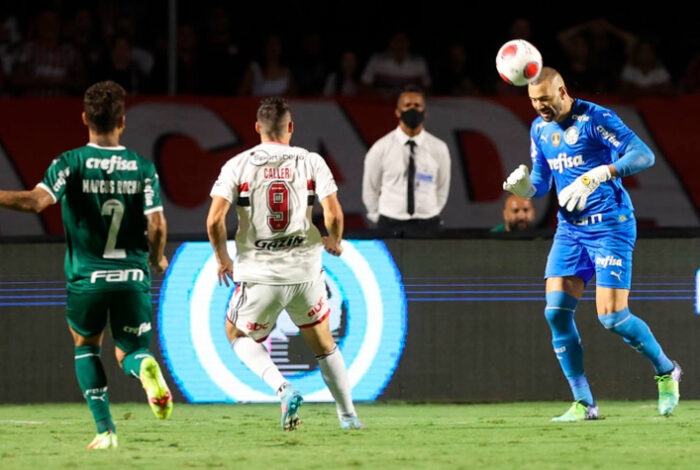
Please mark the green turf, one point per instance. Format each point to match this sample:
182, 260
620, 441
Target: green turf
629, 435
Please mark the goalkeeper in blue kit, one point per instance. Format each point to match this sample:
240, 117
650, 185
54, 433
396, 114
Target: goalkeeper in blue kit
586, 149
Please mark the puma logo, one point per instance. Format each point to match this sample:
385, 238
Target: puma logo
617, 275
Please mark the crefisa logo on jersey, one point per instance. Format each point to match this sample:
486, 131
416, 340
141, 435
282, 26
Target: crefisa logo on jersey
367, 320
109, 165
564, 161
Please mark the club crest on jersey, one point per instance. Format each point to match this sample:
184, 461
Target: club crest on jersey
556, 139
571, 135
564, 161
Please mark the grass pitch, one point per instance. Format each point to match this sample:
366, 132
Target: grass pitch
512, 436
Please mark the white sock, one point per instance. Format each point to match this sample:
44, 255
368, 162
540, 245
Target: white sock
255, 356
336, 377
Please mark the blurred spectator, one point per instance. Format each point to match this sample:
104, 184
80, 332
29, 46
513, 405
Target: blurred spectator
454, 78
190, 79
85, 36
3, 91
121, 67
521, 28
518, 215
270, 76
579, 70
311, 69
644, 74
595, 49
222, 64
142, 57
346, 79
188, 72
390, 71
691, 79
10, 41
47, 66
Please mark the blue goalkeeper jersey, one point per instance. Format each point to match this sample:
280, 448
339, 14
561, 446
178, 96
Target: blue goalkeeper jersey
590, 136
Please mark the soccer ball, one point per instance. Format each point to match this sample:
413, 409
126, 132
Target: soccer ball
518, 62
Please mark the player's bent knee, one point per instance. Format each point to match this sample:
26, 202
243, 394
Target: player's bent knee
560, 307
614, 321
120, 355
322, 348
605, 309
326, 351
553, 314
232, 332
79, 340
559, 313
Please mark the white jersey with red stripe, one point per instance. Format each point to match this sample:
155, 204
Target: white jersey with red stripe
274, 187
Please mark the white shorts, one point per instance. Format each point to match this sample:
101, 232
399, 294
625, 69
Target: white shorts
254, 307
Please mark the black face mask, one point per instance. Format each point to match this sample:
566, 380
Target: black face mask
412, 118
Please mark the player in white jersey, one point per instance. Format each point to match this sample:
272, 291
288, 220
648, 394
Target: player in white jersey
278, 260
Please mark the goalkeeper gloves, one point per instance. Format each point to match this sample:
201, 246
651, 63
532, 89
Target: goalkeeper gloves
575, 195
519, 183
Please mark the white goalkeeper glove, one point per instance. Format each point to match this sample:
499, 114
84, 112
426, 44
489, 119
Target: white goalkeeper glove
519, 183
575, 195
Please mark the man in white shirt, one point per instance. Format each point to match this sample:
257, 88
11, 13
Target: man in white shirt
407, 173
278, 260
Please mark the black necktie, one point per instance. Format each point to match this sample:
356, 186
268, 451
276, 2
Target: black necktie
410, 202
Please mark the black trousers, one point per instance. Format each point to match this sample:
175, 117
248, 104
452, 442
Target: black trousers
412, 228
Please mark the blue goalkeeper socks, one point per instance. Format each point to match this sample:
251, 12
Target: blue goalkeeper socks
637, 334
566, 340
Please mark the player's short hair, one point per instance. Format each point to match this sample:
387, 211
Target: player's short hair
410, 89
547, 73
272, 116
103, 104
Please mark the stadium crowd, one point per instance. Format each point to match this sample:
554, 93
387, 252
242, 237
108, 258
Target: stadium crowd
59, 49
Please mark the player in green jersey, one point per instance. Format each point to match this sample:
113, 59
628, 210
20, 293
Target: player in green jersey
112, 216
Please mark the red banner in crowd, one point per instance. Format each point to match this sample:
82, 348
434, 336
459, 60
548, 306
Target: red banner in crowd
190, 138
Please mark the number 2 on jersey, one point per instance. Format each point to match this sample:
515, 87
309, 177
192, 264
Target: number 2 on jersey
114, 208
278, 203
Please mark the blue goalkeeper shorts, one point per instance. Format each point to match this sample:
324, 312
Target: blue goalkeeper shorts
603, 249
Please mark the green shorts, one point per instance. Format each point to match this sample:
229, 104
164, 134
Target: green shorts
130, 316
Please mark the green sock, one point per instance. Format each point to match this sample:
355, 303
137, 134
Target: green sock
132, 362
93, 383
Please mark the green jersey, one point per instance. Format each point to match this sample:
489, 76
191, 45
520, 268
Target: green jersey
107, 193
